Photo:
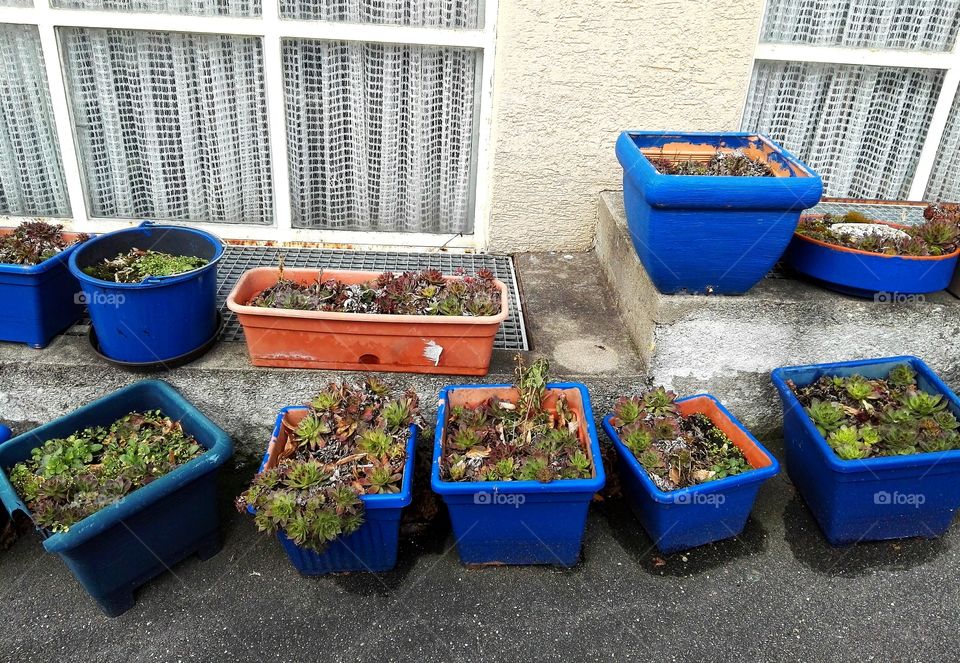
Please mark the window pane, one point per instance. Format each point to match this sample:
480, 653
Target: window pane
429, 13
170, 125
861, 128
944, 181
380, 137
193, 7
31, 174
929, 25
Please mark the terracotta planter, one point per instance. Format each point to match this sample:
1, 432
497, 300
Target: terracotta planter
457, 345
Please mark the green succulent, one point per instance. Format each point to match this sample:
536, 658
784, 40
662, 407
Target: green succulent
650, 460
376, 442
859, 388
902, 375
659, 402
826, 416
845, 440
923, 404
627, 411
638, 440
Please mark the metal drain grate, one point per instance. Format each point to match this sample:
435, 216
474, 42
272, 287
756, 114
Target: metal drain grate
238, 259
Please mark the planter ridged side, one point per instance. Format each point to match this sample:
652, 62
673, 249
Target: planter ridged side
457, 345
121, 547
871, 499
38, 302
158, 319
863, 273
697, 515
518, 522
711, 234
373, 547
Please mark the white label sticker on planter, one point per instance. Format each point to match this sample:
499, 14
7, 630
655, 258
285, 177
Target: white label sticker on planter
432, 352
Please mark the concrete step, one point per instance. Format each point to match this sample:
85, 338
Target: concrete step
571, 320
727, 345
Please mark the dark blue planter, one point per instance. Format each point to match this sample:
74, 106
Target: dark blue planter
373, 547
160, 318
121, 547
877, 498
518, 522
690, 517
865, 274
38, 302
706, 234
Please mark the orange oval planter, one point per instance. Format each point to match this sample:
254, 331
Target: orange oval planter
456, 345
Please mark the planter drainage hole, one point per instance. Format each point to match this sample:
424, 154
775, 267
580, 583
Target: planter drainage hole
369, 359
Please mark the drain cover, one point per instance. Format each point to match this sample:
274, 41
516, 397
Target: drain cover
238, 259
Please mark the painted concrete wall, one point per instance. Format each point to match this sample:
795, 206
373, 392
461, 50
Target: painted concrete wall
571, 74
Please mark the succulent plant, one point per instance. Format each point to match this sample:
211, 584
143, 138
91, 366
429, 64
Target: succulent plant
139, 264
676, 450
410, 293
722, 162
501, 440
351, 443
894, 418
32, 242
68, 479
938, 235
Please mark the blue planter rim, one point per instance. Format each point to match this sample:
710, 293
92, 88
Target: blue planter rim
379, 501
755, 475
41, 267
152, 281
921, 459
590, 485
128, 506
643, 163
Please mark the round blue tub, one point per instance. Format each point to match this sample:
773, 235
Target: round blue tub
160, 318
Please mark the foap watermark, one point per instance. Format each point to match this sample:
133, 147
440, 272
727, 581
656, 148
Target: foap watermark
100, 299
706, 499
897, 298
897, 498
499, 499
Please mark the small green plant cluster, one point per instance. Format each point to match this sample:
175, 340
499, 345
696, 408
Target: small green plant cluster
677, 451
863, 418
936, 236
411, 293
729, 163
32, 242
139, 264
68, 479
526, 440
352, 442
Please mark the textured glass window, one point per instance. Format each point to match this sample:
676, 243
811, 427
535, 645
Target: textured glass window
424, 13
861, 128
192, 7
31, 173
170, 125
928, 25
380, 137
944, 183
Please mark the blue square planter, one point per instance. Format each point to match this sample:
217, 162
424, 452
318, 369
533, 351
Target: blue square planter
711, 234
121, 547
689, 517
890, 497
37, 302
518, 522
373, 547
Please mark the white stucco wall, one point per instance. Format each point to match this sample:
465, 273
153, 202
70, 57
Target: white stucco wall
571, 74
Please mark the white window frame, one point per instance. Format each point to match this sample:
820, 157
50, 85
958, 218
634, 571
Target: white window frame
272, 30
946, 61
